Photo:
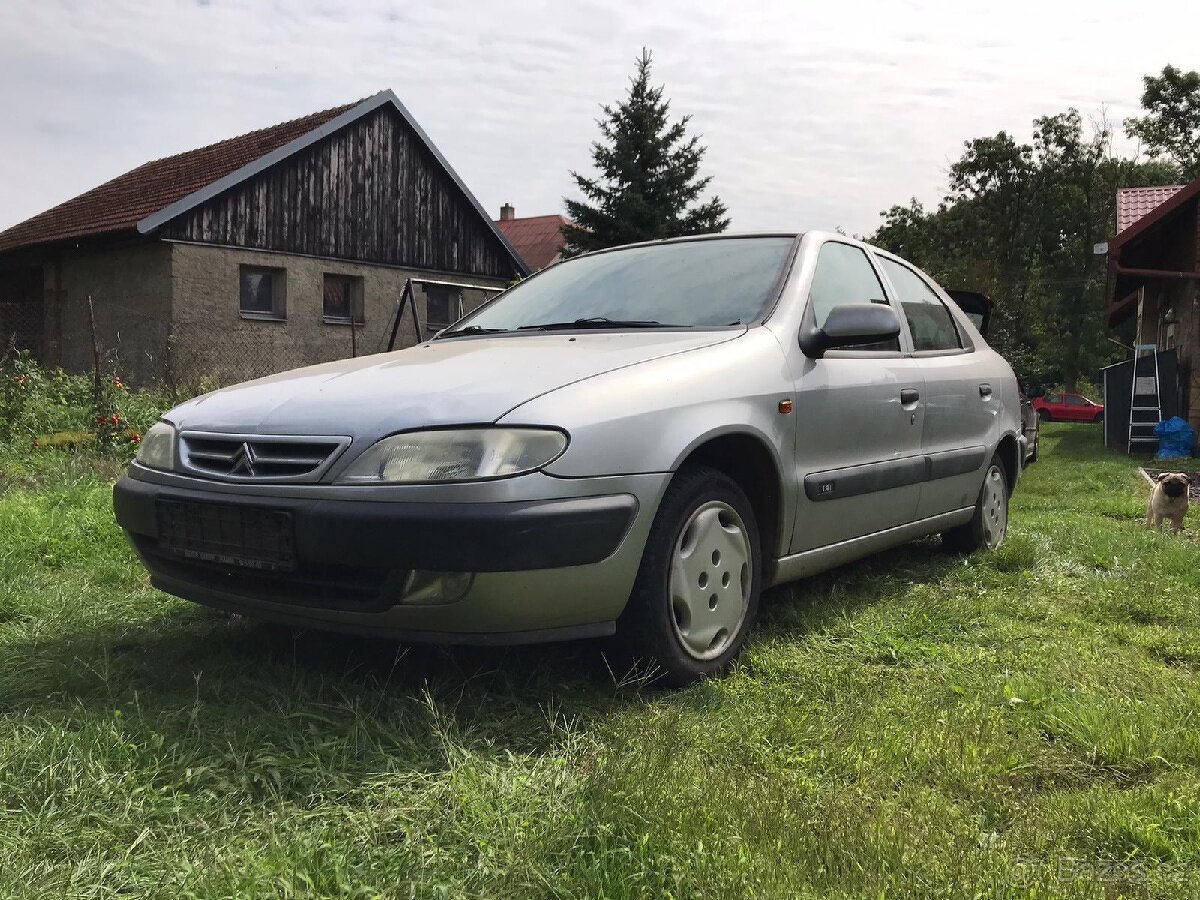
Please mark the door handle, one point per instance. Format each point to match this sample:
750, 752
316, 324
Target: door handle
909, 396
985, 391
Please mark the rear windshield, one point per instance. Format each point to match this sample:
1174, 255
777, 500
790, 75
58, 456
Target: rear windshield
691, 284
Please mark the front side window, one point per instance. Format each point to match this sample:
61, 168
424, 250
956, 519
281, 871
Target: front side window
929, 322
1073, 400
688, 284
262, 294
342, 298
844, 276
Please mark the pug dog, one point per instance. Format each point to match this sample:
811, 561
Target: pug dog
1169, 500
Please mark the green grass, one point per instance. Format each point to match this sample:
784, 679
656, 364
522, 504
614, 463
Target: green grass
1020, 724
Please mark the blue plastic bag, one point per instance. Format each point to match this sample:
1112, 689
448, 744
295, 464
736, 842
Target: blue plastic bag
1175, 438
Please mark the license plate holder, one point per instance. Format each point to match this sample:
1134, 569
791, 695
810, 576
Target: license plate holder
228, 534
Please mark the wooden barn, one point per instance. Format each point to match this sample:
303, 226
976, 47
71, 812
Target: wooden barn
283, 247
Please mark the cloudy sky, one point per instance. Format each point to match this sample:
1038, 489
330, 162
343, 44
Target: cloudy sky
816, 115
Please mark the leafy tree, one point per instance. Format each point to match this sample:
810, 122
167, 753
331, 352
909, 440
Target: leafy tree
1171, 126
1019, 222
649, 185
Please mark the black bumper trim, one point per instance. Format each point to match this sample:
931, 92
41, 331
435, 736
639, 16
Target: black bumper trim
440, 537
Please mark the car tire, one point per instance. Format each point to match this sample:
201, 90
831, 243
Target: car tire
697, 590
989, 522
1033, 454
1044, 415
1099, 417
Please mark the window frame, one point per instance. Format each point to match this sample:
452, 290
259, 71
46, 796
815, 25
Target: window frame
430, 326
966, 345
278, 311
809, 318
357, 300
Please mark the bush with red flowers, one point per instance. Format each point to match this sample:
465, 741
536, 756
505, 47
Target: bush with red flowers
49, 410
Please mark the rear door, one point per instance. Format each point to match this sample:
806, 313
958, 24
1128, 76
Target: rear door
961, 395
858, 463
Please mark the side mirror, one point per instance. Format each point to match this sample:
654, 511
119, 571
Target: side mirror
855, 323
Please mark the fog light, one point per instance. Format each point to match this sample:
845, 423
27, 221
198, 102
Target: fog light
435, 587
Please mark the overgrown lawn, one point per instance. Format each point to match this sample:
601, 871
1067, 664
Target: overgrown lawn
1024, 724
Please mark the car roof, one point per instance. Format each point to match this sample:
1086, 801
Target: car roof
742, 235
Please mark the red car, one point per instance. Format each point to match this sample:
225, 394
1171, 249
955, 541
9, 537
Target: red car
1063, 407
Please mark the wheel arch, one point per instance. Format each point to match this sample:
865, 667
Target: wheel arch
747, 458
1009, 451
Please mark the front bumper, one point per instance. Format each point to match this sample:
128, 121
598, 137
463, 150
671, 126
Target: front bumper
560, 564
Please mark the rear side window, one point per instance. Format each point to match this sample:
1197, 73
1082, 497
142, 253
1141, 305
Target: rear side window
929, 321
844, 275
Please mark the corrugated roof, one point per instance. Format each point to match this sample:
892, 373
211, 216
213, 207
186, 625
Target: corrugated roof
1133, 203
118, 205
538, 239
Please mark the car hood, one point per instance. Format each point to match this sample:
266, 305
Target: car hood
448, 382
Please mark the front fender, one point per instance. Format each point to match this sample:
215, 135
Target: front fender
649, 417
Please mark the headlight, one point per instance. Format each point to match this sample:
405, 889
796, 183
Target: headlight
157, 449
461, 454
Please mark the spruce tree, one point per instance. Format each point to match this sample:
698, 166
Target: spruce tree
648, 185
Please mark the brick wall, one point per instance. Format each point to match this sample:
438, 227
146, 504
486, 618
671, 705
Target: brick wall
211, 338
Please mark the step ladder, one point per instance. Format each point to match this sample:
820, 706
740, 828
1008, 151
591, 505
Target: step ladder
1145, 407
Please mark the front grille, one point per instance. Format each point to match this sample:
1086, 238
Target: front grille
238, 457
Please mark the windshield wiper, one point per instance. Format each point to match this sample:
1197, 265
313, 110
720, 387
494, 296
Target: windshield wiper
473, 329
595, 322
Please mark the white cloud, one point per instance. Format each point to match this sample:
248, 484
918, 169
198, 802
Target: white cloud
815, 115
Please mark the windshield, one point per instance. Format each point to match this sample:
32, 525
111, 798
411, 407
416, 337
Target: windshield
691, 284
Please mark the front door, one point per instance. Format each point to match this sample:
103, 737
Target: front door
1077, 409
858, 462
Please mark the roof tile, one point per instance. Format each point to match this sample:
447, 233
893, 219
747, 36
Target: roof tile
1134, 203
118, 205
537, 239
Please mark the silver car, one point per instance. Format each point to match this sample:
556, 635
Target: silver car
637, 441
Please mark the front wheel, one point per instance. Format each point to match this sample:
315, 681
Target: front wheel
989, 523
696, 594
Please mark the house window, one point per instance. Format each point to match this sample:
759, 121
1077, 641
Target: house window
343, 294
263, 293
443, 307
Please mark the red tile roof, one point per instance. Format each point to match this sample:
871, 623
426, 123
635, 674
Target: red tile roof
118, 205
536, 239
1133, 203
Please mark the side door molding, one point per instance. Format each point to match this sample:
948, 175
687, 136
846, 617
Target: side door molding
852, 481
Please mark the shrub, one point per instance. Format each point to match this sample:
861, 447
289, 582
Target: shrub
42, 408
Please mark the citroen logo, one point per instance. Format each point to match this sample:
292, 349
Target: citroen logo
243, 461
